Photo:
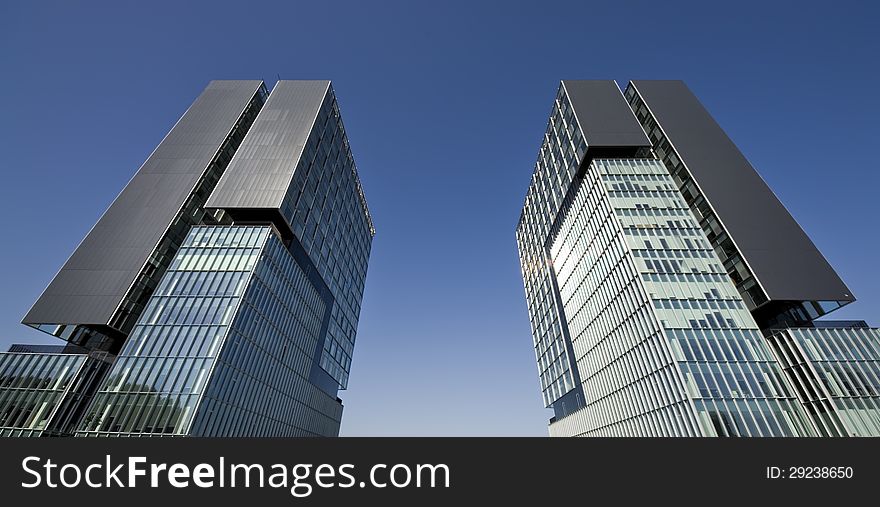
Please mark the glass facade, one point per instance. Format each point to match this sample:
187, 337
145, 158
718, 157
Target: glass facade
158, 378
562, 149
224, 347
41, 394
663, 343
326, 208
836, 374
264, 381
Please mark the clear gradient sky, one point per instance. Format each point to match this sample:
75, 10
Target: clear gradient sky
445, 104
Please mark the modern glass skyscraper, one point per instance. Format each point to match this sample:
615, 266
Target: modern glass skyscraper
245, 325
643, 323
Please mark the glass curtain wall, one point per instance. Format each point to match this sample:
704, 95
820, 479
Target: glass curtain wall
158, 378
836, 374
38, 391
664, 344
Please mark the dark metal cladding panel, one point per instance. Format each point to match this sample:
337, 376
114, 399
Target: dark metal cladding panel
97, 276
261, 170
783, 259
604, 116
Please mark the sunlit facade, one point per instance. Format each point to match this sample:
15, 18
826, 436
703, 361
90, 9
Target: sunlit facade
663, 342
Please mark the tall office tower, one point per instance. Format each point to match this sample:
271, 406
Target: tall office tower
249, 327
640, 329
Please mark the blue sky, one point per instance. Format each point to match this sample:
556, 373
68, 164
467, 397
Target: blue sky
445, 104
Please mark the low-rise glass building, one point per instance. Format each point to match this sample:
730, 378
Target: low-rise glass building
835, 371
44, 389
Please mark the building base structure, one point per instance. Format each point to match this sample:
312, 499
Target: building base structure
45, 389
834, 368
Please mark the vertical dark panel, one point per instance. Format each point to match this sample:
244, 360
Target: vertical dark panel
604, 116
782, 258
94, 280
260, 174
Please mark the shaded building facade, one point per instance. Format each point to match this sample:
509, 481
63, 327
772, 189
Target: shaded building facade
44, 390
